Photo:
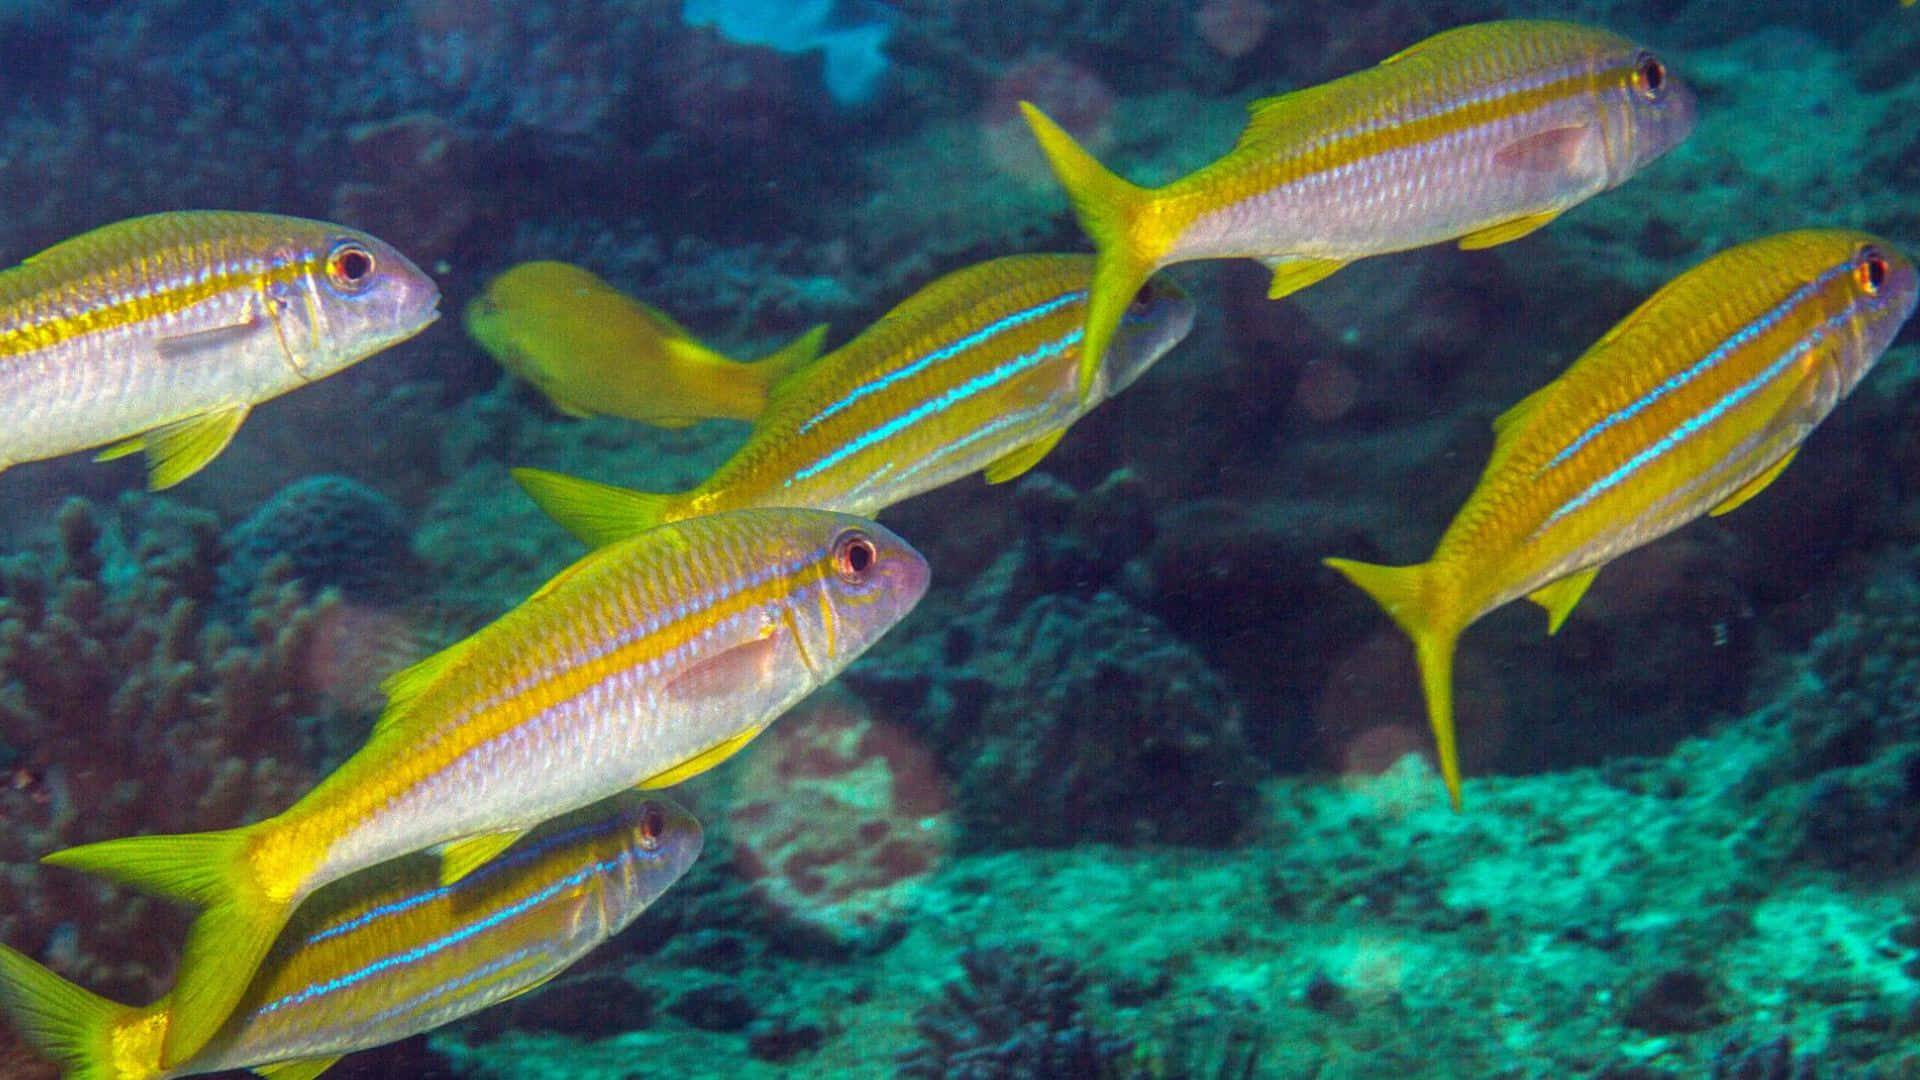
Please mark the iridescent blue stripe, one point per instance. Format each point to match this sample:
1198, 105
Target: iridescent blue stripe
1695, 423
945, 352
492, 868
1740, 338
978, 384
447, 941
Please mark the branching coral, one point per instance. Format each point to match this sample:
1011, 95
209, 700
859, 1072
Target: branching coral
125, 709
1017, 1014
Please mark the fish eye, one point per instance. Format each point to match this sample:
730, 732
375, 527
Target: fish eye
1649, 76
1870, 270
350, 266
653, 826
853, 556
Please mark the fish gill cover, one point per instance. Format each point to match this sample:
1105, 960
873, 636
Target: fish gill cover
1146, 733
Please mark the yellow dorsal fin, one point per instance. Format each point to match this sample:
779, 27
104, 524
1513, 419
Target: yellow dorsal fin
1506, 230
1019, 461
1756, 485
699, 763
403, 686
1559, 597
598, 514
305, 1069
1293, 273
178, 450
463, 857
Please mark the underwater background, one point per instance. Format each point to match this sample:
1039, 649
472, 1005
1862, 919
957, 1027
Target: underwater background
1142, 789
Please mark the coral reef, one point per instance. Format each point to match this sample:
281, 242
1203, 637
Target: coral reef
1047, 681
836, 820
333, 532
1017, 1014
125, 707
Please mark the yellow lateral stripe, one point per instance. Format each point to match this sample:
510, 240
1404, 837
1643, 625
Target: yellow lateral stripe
52, 323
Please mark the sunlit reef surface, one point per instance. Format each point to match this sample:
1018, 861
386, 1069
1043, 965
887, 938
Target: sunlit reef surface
1124, 793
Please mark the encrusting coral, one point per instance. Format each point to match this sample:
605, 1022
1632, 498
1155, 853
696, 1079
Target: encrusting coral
125, 708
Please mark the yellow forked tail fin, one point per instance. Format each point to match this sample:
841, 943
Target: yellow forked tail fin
790, 357
75, 1028
237, 921
1107, 207
1402, 591
598, 514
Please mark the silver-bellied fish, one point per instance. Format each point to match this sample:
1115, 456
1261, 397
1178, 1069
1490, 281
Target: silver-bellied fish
975, 371
158, 334
1690, 406
386, 953
1483, 133
642, 664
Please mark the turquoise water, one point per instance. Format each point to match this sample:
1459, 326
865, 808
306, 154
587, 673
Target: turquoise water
1142, 788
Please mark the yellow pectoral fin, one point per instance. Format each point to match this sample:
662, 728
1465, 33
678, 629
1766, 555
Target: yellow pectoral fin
178, 450
463, 857
1559, 597
699, 763
1506, 230
296, 1070
1756, 485
1012, 465
1291, 274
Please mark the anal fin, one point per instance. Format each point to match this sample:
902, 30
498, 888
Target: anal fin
463, 857
1559, 597
699, 763
1756, 485
304, 1069
1019, 461
1506, 230
177, 450
1291, 273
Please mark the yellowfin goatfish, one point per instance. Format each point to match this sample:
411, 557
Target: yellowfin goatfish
1690, 406
977, 370
642, 664
594, 351
1483, 133
159, 333
386, 953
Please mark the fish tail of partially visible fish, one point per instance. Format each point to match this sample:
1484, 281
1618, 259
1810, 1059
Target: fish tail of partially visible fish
78, 1030
1108, 208
237, 922
596, 514
1405, 593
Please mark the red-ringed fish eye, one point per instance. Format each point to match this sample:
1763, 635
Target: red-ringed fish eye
350, 266
1870, 270
1649, 76
853, 556
653, 826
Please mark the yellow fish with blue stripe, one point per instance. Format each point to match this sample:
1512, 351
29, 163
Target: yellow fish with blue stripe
1690, 406
1483, 134
158, 334
975, 371
644, 663
386, 953
595, 351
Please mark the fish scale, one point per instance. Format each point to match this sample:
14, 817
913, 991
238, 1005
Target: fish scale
643, 663
1690, 406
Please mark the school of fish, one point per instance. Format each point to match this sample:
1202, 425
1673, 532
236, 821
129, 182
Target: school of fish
500, 821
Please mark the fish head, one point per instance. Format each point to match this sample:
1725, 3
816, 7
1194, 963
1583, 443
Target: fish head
1157, 319
860, 579
361, 296
1652, 109
655, 841
1874, 293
